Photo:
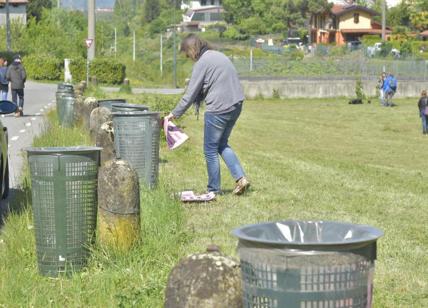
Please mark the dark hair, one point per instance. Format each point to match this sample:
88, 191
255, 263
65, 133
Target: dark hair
424, 93
194, 47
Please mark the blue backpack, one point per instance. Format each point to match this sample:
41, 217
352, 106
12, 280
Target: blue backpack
393, 83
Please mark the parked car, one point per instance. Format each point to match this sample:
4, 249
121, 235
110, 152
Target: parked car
5, 108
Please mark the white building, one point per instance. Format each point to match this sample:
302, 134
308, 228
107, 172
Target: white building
199, 14
17, 11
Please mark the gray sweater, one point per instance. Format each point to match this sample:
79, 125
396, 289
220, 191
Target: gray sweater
214, 78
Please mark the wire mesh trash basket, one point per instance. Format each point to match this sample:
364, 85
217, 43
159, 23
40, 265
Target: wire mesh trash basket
108, 103
307, 264
128, 107
136, 139
65, 110
64, 201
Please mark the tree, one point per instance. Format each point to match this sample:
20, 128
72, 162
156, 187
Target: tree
151, 10
35, 8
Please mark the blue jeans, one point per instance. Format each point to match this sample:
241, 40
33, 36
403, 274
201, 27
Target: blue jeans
218, 128
424, 123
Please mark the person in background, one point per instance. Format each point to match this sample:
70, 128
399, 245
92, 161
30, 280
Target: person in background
423, 105
380, 84
17, 76
389, 89
4, 83
215, 79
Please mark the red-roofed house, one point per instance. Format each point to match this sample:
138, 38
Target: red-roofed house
344, 23
17, 11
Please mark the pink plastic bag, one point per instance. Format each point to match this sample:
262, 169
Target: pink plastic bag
190, 196
174, 135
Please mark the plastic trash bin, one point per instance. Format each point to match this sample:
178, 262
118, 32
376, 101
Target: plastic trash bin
307, 264
136, 140
64, 201
128, 107
109, 102
65, 109
65, 87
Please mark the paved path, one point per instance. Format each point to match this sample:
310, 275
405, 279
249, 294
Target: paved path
38, 99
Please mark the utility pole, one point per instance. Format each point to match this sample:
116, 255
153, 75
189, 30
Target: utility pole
8, 40
133, 47
115, 42
58, 3
161, 55
174, 47
383, 20
91, 29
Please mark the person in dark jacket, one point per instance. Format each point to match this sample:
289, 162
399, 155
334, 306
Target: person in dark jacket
17, 76
4, 83
215, 80
423, 104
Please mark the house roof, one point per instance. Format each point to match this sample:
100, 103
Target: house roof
366, 31
14, 2
340, 9
211, 9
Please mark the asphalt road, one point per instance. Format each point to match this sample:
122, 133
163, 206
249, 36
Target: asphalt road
38, 98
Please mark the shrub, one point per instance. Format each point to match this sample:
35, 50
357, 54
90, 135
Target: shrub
234, 34
43, 67
78, 69
107, 71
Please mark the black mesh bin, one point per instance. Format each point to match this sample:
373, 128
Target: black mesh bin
64, 201
307, 264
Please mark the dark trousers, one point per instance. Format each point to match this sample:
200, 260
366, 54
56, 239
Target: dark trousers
18, 97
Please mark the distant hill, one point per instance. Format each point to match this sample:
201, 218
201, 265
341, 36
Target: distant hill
83, 4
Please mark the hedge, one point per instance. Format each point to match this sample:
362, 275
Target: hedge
107, 71
47, 67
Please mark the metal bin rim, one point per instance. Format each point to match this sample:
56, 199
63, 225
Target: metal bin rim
62, 150
254, 233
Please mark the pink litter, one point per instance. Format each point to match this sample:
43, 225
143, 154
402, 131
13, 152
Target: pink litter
189, 196
174, 135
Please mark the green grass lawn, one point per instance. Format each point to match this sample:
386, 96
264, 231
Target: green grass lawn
306, 159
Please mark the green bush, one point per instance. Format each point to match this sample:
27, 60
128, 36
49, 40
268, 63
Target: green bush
78, 69
107, 71
43, 67
234, 34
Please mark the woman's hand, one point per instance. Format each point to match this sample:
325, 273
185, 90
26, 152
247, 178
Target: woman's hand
170, 117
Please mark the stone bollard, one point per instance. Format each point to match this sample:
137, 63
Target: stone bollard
118, 205
78, 108
98, 117
105, 140
126, 82
94, 81
208, 280
89, 104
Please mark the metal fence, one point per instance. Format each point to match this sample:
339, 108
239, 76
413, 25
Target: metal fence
325, 66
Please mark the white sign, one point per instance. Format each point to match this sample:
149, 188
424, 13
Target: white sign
88, 42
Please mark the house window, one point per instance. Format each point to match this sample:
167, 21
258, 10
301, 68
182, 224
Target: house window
356, 18
203, 2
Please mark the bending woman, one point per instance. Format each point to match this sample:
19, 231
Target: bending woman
214, 78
